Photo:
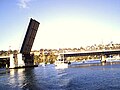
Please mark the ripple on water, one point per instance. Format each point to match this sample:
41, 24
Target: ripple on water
72, 78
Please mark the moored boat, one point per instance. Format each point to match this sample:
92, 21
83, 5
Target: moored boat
60, 64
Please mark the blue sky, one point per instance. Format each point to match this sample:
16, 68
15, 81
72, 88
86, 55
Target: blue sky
63, 23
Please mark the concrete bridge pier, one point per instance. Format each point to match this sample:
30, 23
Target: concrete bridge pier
16, 61
103, 59
12, 64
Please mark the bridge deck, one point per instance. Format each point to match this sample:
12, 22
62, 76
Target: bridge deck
85, 53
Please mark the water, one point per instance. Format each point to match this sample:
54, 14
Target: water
95, 77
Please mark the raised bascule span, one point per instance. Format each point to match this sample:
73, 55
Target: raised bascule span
29, 37
24, 58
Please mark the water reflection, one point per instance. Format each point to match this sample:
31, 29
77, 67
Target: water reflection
16, 77
30, 81
23, 79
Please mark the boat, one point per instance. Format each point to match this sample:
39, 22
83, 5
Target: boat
92, 61
61, 63
76, 62
112, 60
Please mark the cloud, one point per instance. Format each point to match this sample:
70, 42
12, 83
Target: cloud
23, 3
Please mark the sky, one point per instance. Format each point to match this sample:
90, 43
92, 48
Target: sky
63, 23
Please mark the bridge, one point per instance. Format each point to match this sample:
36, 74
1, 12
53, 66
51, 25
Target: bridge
23, 58
86, 53
101, 53
28, 42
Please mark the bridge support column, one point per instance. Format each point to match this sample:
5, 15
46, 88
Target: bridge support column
12, 63
103, 59
16, 61
21, 62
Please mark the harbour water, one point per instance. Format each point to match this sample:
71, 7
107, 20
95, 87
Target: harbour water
88, 77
